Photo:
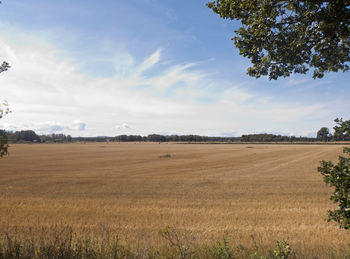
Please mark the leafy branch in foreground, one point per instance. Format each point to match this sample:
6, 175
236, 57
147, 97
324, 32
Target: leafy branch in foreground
285, 37
342, 130
4, 66
338, 176
4, 109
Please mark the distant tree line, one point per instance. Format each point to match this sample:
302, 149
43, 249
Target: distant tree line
174, 138
274, 138
341, 133
25, 136
30, 136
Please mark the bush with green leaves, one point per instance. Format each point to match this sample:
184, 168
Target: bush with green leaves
222, 250
338, 176
282, 251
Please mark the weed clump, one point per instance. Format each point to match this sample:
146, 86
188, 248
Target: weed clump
177, 244
165, 156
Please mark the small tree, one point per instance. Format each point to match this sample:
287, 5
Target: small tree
323, 134
338, 176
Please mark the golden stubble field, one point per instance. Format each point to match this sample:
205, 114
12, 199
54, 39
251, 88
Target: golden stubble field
250, 194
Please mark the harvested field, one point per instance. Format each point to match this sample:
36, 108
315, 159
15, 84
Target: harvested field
251, 194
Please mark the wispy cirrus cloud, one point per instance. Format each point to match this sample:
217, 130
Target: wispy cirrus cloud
47, 91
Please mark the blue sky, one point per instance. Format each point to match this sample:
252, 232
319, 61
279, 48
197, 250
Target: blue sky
108, 67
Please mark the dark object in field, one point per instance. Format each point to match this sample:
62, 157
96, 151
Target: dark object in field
165, 156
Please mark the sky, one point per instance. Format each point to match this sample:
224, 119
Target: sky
112, 67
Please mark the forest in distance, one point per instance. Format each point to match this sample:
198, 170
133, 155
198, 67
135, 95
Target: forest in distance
29, 136
341, 133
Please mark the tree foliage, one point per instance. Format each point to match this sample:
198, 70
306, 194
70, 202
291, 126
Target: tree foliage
342, 130
4, 66
25, 136
290, 36
338, 176
323, 134
4, 109
3, 143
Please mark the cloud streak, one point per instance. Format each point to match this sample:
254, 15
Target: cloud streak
47, 91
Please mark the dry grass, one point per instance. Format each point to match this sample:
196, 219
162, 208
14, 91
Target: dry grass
247, 193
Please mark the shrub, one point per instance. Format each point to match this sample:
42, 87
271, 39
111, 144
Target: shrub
222, 250
338, 176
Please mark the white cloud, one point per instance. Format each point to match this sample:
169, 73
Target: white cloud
123, 126
41, 127
79, 125
47, 93
150, 61
47, 127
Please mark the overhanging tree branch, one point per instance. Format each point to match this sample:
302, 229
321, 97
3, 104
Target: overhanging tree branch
295, 36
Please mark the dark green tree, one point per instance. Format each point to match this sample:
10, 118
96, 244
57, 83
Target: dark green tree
290, 36
338, 176
342, 130
323, 134
28, 136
